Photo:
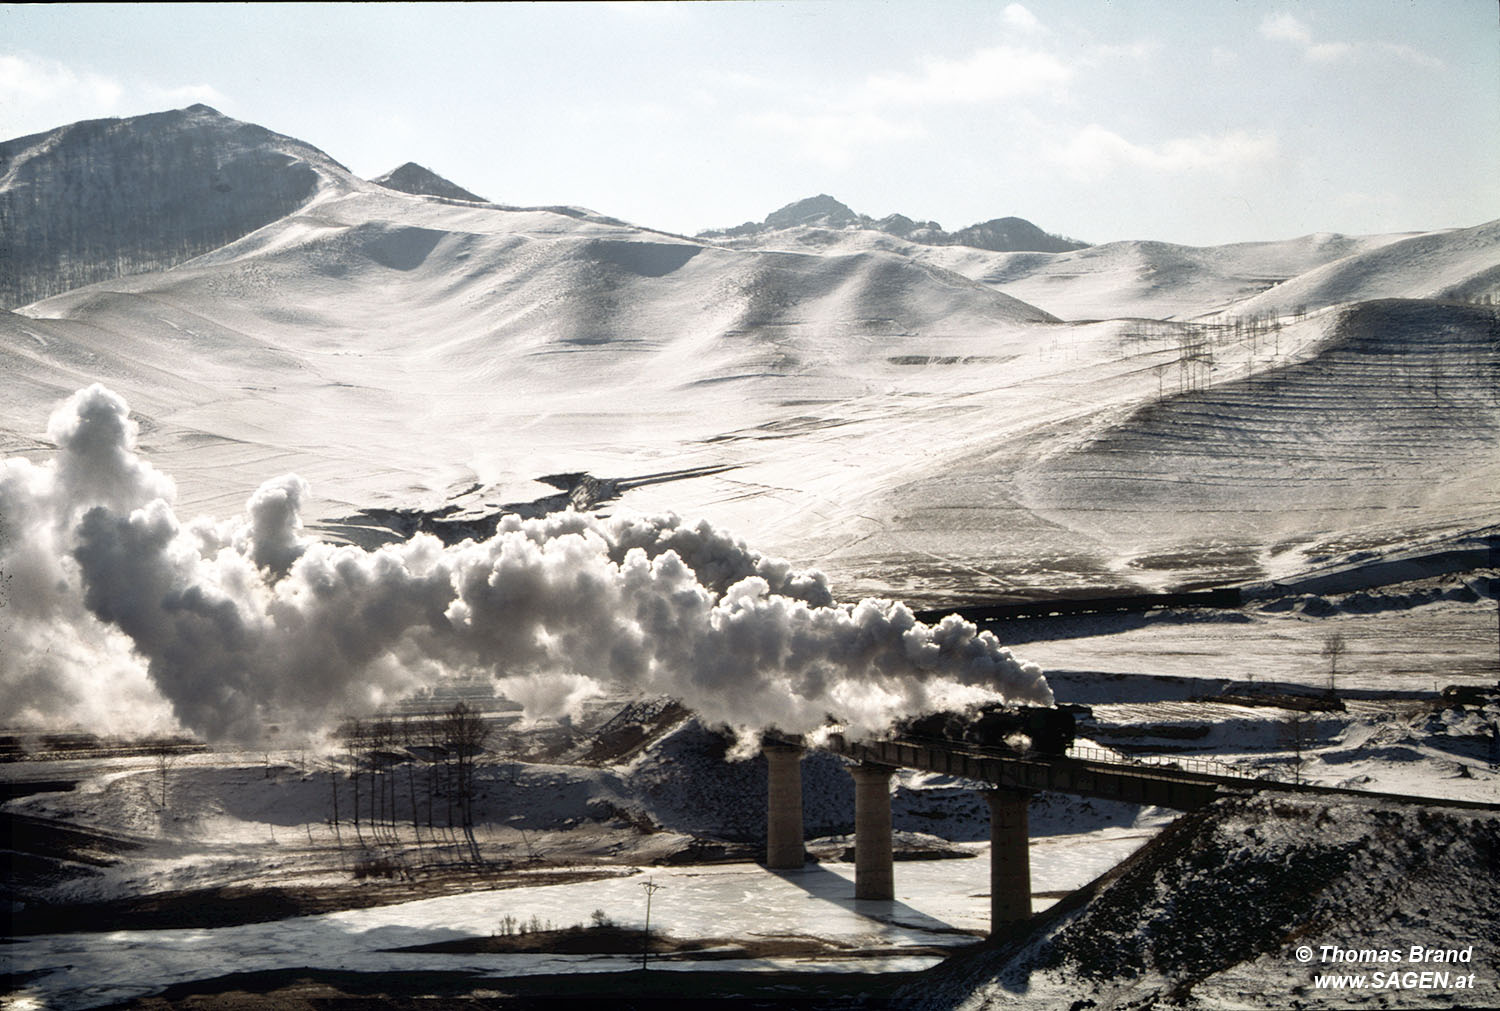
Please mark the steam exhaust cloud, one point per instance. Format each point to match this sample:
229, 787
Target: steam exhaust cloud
243, 622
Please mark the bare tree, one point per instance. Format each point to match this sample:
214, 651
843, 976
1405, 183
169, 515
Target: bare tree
379, 737
1298, 732
464, 734
333, 783
439, 776
432, 739
407, 739
164, 756
352, 731
390, 757
269, 740
1334, 646
4, 576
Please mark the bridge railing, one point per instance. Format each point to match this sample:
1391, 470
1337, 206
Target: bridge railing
1202, 766
1178, 777
1155, 765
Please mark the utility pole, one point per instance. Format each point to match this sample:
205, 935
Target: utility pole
651, 888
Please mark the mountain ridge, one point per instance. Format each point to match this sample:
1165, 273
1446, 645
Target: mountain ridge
1006, 235
918, 420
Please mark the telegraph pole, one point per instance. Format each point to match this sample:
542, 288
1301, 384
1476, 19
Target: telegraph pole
651, 888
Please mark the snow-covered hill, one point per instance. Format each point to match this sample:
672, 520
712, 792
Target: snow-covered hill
1387, 424
374, 316
1155, 280
1455, 264
1249, 904
911, 417
106, 197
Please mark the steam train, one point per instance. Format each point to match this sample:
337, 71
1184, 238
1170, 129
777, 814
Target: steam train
995, 727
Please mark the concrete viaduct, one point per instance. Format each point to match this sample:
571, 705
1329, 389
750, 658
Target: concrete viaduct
1011, 780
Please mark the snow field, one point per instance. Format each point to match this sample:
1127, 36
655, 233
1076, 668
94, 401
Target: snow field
936, 901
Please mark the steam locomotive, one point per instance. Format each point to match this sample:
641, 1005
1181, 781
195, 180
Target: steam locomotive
995, 727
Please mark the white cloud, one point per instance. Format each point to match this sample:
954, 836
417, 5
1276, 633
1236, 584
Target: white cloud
833, 138
28, 82
1328, 52
987, 75
1409, 55
1140, 50
1095, 152
1286, 28
1291, 29
1018, 17
832, 128
38, 94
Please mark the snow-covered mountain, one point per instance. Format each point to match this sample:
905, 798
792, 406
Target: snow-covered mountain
413, 178
815, 220
914, 418
1157, 280
106, 197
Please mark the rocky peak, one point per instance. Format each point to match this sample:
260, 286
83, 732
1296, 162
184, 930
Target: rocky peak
414, 178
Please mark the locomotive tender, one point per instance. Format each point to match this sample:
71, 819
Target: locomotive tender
995, 727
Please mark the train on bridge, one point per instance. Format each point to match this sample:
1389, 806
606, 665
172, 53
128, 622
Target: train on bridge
995, 727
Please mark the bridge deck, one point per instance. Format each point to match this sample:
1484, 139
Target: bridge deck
1160, 786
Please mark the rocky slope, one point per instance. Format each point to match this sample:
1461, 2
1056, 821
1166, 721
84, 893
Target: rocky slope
1213, 912
107, 197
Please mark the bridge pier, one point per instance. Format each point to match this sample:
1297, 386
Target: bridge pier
783, 806
873, 878
1010, 857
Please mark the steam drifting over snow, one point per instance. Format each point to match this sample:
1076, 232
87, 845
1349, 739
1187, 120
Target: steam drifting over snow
246, 622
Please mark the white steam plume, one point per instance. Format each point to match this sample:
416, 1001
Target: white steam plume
59, 666
248, 621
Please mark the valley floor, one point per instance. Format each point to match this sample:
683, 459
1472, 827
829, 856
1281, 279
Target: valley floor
242, 888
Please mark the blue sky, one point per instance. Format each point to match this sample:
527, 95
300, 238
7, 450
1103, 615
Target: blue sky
1196, 122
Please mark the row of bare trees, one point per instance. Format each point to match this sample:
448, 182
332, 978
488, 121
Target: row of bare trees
437, 752
1198, 344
